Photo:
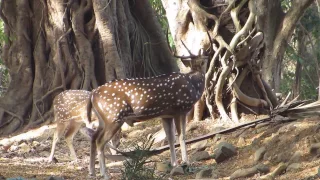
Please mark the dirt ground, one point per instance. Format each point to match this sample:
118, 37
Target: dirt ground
287, 143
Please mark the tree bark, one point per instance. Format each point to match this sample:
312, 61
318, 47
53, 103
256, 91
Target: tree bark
58, 45
298, 71
245, 34
280, 27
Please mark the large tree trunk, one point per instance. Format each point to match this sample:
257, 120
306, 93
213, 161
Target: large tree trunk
298, 71
58, 45
243, 47
278, 28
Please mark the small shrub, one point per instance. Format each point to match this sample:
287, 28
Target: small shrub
136, 168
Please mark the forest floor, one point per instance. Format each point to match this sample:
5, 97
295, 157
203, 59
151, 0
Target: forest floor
291, 147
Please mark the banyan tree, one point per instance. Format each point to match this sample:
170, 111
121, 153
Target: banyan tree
80, 44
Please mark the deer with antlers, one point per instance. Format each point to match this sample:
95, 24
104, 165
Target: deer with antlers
168, 96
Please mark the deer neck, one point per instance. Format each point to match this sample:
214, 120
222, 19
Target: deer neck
197, 79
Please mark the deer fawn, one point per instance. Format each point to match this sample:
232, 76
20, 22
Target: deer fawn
169, 96
70, 112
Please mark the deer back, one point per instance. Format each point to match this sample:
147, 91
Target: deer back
71, 105
145, 98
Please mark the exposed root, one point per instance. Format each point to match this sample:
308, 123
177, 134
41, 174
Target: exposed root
198, 108
250, 101
234, 15
13, 116
59, 59
257, 78
234, 109
32, 134
248, 108
219, 93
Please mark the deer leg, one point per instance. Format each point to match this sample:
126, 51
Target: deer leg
71, 132
168, 127
180, 122
110, 130
93, 150
61, 127
115, 142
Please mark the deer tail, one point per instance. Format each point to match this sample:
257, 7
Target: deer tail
89, 109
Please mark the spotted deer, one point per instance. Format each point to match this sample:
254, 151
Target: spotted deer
168, 96
70, 113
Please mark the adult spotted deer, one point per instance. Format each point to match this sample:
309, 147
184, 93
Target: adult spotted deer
70, 113
169, 96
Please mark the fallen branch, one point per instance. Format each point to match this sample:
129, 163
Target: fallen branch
31, 134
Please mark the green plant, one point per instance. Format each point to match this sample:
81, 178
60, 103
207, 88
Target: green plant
309, 25
136, 168
4, 74
162, 18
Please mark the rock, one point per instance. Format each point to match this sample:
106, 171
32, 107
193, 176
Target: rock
177, 171
55, 178
24, 148
224, 151
241, 141
293, 166
295, 157
276, 172
204, 173
215, 174
163, 166
201, 145
198, 156
248, 172
281, 157
314, 148
262, 168
258, 155
243, 173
